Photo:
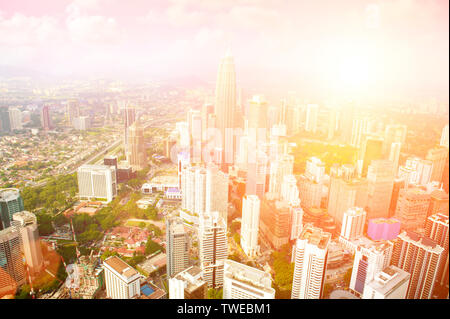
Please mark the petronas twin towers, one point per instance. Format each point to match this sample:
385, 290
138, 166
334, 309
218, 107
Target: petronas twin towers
225, 106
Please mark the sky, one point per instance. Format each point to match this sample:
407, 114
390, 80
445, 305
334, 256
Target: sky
346, 45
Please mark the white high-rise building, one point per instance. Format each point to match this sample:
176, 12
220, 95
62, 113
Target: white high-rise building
204, 190
380, 178
122, 281
296, 221
370, 259
311, 183
245, 282
12, 270
359, 129
213, 248
394, 154
97, 182
225, 105
250, 224
444, 137
353, 223
177, 246
391, 283
31, 245
312, 113
278, 170
310, 258
15, 118
289, 190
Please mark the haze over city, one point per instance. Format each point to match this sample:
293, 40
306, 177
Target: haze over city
218, 150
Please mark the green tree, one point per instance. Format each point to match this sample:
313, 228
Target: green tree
215, 293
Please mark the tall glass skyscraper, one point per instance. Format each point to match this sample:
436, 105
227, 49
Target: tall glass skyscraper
10, 202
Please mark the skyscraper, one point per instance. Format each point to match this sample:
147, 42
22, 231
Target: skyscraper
372, 150
256, 175
359, 129
245, 282
444, 137
225, 105
46, 118
5, 124
370, 258
345, 191
121, 280
213, 248
280, 168
250, 224
390, 283
15, 117
436, 228
12, 271
439, 157
353, 223
311, 183
10, 203
310, 258
393, 134
30, 240
312, 113
97, 182
380, 178
420, 256
394, 154
72, 111
177, 246
136, 156
412, 208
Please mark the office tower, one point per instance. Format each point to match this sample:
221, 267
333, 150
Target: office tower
111, 160
345, 191
97, 182
12, 271
10, 203
420, 256
399, 183
394, 154
204, 190
438, 202
289, 190
359, 129
121, 280
136, 156
225, 106
177, 246
251, 206
380, 183
217, 192
274, 223
383, 228
296, 221
412, 208
372, 150
213, 248
281, 167
182, 129
30, 240
5, 124
370, 259
390, 283
444, 137
207, 110
129, 117
81, 123
46, 119
393, 134
15, 117
310, 255
257, 114
72, 111
188, 284
312, 112
311, 183
436, 228
245, 282
416, 171
256, 174
439, 157
353, 223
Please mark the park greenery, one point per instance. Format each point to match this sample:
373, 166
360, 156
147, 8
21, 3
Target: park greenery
215, 293
284, 272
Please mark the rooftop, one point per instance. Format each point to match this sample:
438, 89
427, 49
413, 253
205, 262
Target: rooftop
120, 266
315, 236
